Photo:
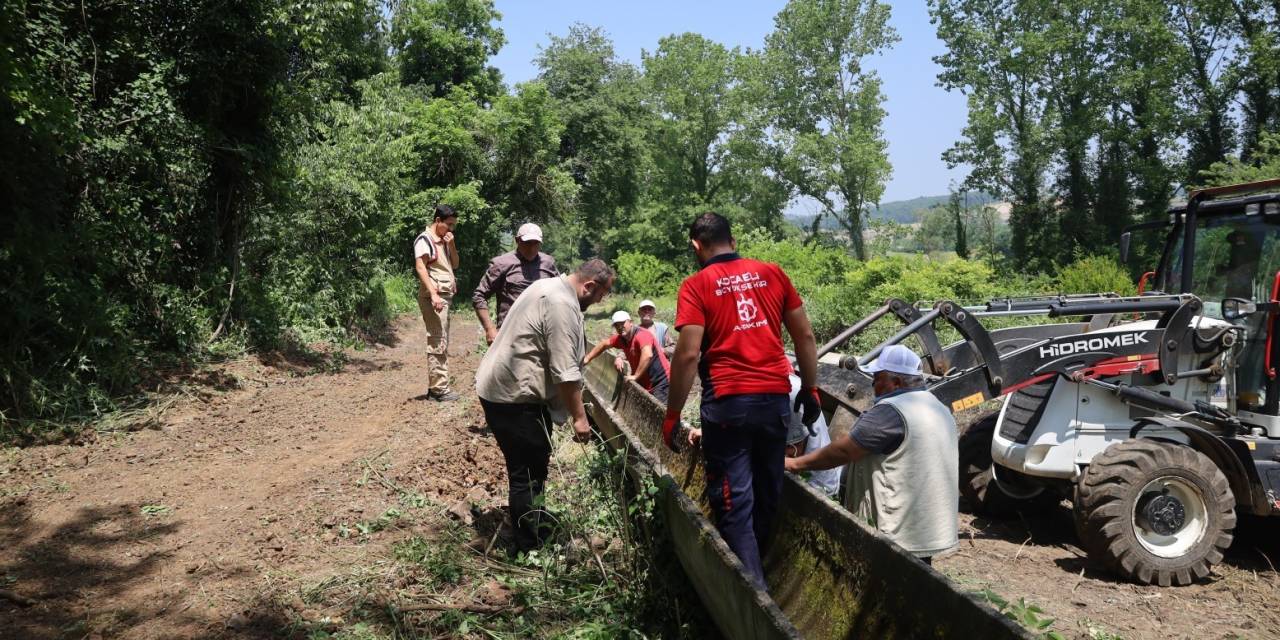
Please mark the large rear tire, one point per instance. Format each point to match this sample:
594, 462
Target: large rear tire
986, 495
1155, 512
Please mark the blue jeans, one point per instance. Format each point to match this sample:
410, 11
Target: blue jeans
743, 438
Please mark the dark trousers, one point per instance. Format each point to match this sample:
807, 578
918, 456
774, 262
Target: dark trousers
743, 438
523, 432
660, 392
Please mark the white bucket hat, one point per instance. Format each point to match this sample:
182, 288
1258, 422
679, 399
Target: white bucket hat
896, 359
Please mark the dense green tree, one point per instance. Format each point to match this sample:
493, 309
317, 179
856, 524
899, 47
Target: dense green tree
525, 181
693, 88
142, 143
1145, 115
1263, 164
1255, 68
316, 256
991, 57
1069, 55
957, 206
1201, 27
603, 143
442, 44
936, 229
826, 107
1102, 96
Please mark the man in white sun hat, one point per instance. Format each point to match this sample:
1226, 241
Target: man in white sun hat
649, 365
647, 310
509, 275
905, 473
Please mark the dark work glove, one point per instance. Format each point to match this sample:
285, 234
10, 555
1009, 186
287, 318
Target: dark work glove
808, 402
670, 430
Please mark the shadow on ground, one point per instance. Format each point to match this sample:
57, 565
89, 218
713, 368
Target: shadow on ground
67, 582
67, 571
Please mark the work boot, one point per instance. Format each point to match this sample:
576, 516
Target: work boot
443, 396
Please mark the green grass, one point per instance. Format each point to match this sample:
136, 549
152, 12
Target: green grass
609, 572
401, 291
1024, 613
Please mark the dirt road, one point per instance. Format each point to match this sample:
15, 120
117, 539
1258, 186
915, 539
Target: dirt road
202, 527
272, 478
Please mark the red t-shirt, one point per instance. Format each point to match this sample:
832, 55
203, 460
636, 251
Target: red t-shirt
659, 369
739, 302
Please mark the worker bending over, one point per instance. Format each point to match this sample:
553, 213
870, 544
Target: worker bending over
531, 377
904, 479
649, 366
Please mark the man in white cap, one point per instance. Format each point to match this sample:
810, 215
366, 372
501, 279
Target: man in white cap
647, 311
905, 473
509, 275
649, 365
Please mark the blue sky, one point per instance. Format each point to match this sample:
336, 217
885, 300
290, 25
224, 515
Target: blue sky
923, 121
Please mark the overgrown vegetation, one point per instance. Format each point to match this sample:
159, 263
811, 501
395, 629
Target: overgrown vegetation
189, 180
608, 573
1089, 115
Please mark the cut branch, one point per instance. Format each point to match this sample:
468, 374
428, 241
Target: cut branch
16, 598
468, 608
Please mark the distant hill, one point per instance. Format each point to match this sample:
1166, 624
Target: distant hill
902, 211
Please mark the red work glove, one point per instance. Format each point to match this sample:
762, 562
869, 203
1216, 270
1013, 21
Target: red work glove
808, 401
670, 429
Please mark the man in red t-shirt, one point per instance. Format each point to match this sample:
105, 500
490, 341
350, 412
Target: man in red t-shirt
730, 317
649, 366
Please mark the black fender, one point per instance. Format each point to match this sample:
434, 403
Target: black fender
1234, 461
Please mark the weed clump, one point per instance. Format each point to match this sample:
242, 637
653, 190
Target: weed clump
608, 570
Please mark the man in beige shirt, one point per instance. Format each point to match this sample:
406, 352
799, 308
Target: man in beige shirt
434, 258
530, 378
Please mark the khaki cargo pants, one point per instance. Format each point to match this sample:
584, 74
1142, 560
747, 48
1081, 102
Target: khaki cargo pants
437, 323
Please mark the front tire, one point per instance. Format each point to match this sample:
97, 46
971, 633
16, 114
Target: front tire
986, 494
1155, 512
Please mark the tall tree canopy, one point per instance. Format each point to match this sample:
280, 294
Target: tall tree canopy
1088, 115
694, 89
603, 144
826, 107
442, 44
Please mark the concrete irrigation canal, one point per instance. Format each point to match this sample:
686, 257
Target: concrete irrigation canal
829, 576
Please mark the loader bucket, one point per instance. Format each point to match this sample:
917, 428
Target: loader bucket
829, 576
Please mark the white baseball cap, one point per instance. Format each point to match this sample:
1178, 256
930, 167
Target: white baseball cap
647, 303
896, 359
529, 231
620, 316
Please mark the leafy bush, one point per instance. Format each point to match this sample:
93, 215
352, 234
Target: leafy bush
838, 290
645, 275
1095, 274
809, 265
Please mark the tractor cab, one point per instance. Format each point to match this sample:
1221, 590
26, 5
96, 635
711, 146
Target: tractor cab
1223, 246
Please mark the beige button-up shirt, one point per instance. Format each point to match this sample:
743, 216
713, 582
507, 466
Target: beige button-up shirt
538, 347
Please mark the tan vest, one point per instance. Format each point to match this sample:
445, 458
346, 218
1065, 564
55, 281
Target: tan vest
912, 494
440, 270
